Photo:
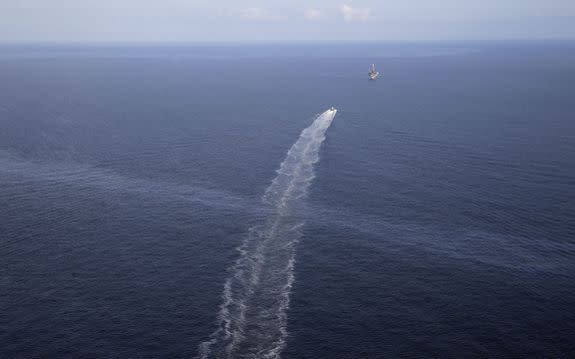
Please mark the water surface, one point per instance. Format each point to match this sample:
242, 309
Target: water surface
438, 222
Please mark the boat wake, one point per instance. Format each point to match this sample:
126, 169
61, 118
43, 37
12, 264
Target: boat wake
253, 316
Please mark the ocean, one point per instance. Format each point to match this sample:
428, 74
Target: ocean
200, 201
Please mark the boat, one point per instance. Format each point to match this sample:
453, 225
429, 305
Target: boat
373, 74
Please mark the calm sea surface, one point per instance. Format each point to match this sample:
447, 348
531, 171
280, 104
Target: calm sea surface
439, 220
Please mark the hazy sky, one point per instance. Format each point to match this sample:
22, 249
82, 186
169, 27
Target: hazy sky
286, 20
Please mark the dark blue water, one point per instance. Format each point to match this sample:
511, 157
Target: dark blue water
440, 222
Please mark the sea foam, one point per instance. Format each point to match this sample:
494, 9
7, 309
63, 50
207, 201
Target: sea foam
252, 321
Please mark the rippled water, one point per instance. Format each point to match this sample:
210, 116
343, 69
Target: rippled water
439, 222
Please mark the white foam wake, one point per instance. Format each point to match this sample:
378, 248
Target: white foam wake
253, 316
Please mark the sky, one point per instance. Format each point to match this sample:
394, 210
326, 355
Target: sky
285, 20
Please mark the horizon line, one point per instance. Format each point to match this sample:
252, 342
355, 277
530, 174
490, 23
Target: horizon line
282, 42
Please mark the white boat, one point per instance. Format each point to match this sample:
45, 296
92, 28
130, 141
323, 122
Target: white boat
373, 74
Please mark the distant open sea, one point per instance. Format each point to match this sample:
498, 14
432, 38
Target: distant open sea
144, 213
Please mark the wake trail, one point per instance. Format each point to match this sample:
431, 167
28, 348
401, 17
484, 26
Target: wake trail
252, 321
